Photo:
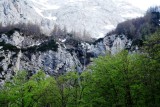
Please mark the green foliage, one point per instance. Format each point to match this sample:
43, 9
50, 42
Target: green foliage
69, 89
107, 78
152, 46
25, 92
123, 80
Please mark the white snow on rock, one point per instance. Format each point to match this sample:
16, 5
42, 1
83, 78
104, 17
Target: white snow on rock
97, 17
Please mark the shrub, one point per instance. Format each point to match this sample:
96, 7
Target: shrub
9, 47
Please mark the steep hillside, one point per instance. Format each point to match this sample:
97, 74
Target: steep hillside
139, 29
31, 51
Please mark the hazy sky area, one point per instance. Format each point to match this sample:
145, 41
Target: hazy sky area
144, 4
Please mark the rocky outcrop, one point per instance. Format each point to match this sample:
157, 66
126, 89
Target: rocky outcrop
20, 52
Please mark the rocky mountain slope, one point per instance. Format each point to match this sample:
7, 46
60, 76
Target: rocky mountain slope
21, 52
96, 17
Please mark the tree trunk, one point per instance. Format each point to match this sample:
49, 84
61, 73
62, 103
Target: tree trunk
128, 98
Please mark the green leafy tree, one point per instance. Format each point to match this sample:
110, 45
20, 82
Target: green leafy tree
36, 91
151, 70
115, 81
69, 89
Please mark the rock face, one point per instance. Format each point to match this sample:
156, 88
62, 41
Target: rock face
20, 52
96, 17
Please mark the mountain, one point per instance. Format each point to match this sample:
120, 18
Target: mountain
25, 52
96, 17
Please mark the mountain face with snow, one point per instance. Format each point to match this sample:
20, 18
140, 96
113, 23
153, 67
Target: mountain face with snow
96, 17
21, 11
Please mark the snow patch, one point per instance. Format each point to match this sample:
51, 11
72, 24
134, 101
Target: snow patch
51, 17
62, 40
109, 27
132, 15
76, 0
101, 35
40, 13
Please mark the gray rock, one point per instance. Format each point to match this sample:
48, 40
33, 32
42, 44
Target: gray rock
19, 52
